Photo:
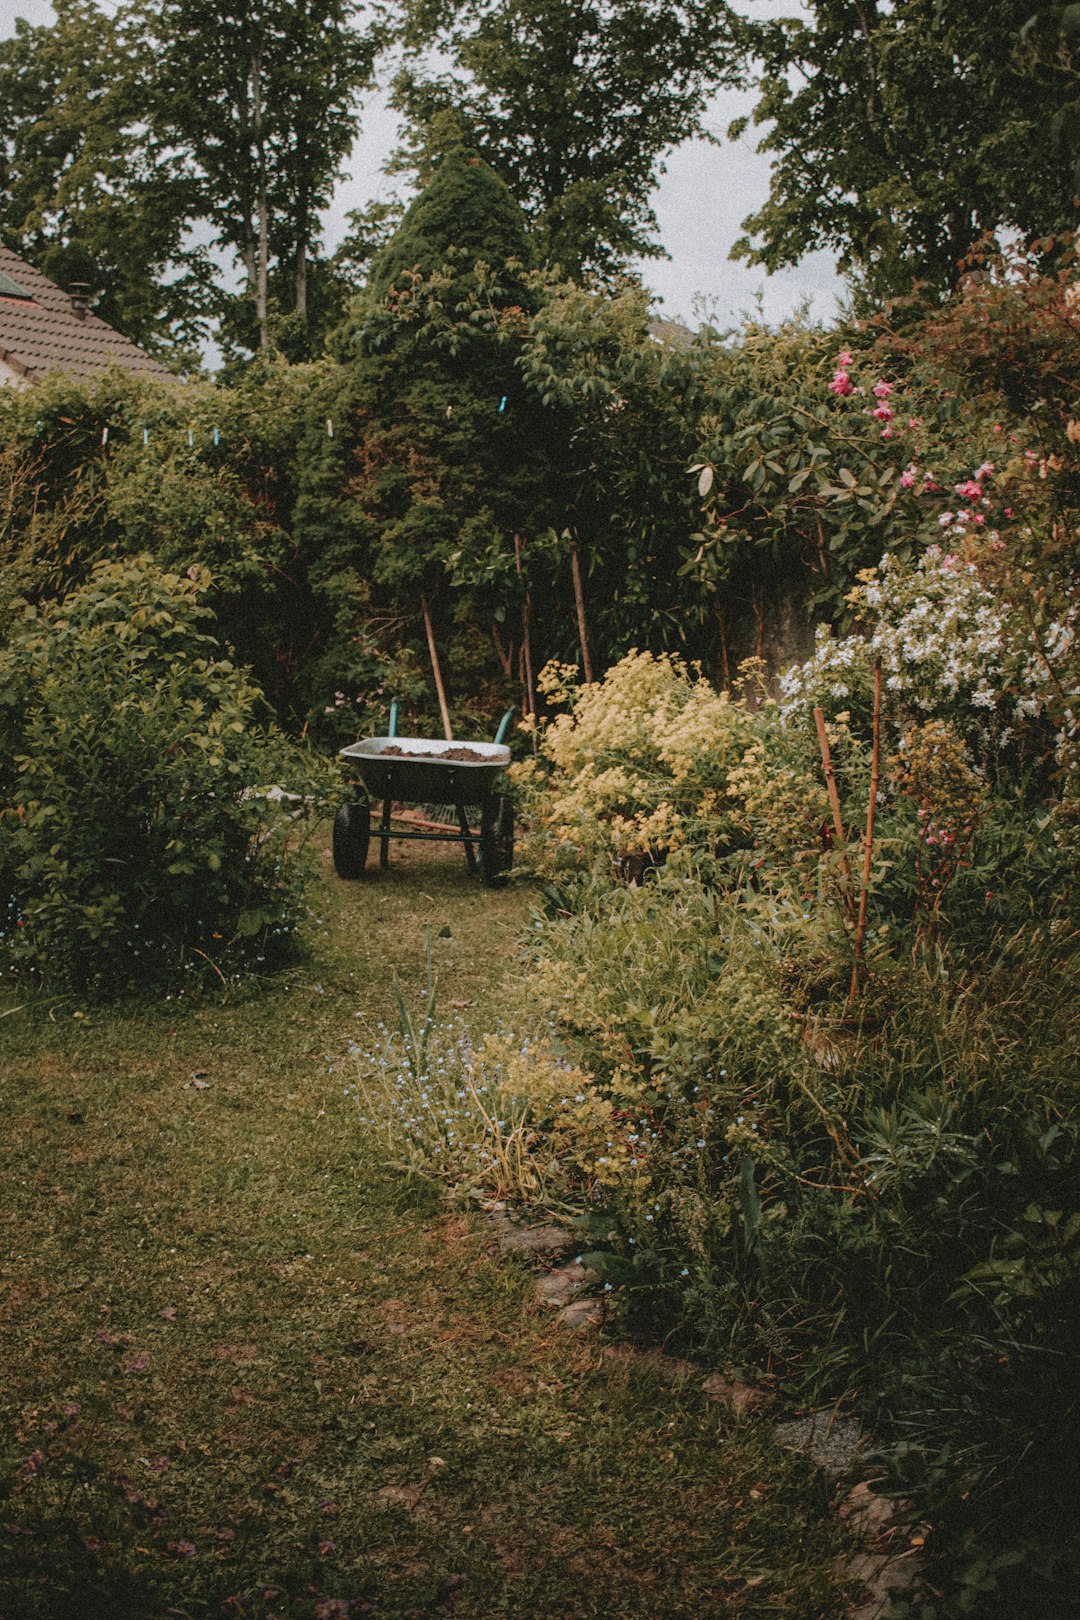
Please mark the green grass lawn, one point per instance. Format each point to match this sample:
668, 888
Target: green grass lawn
248, 1373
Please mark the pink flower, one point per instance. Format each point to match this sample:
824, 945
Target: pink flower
907, 477
914, 421
1008, 511
841, 384
980, 517
945, 519
886, 432
969, 488
884, 413
882, 390
985, 470
844, 358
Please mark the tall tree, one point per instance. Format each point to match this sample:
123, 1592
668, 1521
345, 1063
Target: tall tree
573, 102
901, 130
264, 97
432, 467
88, 192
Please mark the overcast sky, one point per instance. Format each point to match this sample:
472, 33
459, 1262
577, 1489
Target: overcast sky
700, 203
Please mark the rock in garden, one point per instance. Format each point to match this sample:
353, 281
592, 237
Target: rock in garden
837, 1444
530, 1241
580, 1313
559, 1287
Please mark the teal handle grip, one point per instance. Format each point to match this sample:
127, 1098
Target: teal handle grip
504, 726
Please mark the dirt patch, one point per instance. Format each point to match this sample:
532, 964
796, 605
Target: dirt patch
464, 755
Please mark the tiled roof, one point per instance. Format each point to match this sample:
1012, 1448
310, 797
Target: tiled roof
44, 332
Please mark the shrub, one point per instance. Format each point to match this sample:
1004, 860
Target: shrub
136, 845
641, 763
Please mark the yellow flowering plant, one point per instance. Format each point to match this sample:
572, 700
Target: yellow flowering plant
639, 763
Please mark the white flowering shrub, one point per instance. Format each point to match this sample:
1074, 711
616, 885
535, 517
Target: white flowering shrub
950, 642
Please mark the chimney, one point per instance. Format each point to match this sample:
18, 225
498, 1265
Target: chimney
79, 292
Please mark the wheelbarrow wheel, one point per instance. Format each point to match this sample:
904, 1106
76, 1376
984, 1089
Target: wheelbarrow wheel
352, 834
496, 840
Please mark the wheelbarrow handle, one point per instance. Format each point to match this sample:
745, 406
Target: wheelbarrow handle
504, 726
392, 730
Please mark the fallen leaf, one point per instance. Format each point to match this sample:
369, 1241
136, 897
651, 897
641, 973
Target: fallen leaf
241, 1355
168, 1313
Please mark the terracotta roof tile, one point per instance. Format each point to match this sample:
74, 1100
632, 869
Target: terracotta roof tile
46, 333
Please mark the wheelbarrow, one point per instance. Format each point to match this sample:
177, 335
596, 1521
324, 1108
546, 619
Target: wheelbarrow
428, 771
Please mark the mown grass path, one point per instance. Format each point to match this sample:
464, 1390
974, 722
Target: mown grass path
305, 1389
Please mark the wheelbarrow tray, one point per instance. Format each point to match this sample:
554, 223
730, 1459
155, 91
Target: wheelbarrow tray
423, 769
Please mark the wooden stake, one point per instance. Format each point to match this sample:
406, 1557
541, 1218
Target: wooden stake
436, 669
506, 654
579, 599
834, 801
860, 930
526, 633
823, 555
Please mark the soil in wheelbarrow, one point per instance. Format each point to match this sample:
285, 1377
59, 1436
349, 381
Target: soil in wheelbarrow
466, 755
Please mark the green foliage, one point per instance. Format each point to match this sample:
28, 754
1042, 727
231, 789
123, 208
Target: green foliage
465, 209
263, 102
88, 192
573, 103
135, 135
901, 133
137, 844
198, 475
417, 496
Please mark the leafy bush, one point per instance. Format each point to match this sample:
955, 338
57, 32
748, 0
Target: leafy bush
647, 760
137, 845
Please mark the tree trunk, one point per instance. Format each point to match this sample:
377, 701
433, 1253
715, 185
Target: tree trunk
302, 273
579, 599
261, 270
436, 669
